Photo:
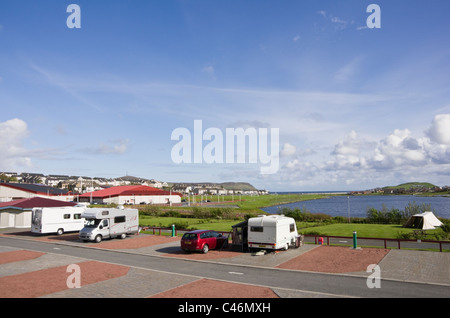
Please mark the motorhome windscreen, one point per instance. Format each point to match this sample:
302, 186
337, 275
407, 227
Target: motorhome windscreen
92, 222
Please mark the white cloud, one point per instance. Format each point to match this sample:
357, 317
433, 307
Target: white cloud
439, 131
115, 147
288, 150
12, 152
357, 162
398, 149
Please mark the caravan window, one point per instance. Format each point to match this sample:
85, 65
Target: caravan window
119, 219
256, 229
292, 227
66, 216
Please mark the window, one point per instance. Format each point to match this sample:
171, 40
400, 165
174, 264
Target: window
205, 235
292, 227
189, 236
77, 216
66, 216
256, 229
106, 212
119, 219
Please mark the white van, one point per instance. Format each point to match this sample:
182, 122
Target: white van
272, 232
57, 220
104, 223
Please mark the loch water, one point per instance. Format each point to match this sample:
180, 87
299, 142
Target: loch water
358, 204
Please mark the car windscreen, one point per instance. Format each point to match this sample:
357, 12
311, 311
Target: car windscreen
189, 236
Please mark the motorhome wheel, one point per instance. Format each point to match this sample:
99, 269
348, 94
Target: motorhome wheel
98, 238
60, 231
123, 236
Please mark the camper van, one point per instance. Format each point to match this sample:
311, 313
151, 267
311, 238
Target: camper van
104, 223
273, 232
57, 220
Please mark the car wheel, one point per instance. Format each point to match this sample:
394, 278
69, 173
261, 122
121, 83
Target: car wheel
98, 238
60, 231
205, 249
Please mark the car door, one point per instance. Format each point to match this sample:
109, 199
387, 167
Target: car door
212, 238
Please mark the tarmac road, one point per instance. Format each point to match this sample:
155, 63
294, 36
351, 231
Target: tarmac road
327, 284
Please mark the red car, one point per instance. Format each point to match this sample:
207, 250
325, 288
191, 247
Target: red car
203, 240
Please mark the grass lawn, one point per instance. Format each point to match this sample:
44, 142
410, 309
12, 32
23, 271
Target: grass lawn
188, 223
362, 230
253, 204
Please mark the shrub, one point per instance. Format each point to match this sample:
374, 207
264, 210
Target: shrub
173, 213
404, 235
150, 210
181, 225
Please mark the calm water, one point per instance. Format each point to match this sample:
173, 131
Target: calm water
339, 205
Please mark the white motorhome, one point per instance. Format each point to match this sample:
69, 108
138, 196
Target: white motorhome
104, 223
272, 232
57, 220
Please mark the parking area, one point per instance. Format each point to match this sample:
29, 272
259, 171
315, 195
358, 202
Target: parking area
46, 269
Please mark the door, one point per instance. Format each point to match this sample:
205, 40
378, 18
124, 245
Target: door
12, 220
104, 228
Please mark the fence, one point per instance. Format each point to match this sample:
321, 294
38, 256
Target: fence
366, 241
160, 230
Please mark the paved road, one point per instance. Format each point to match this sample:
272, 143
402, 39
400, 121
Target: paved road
328, 284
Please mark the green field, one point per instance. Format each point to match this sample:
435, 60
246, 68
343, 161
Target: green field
341, 229
191, 223
251, 205
366, 230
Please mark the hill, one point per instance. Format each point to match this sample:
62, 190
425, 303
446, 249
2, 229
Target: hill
412, 186
244, 186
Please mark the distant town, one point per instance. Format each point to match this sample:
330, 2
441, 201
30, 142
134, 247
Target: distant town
84, 184
406, 188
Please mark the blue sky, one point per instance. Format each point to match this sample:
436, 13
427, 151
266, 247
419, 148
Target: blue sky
356, 107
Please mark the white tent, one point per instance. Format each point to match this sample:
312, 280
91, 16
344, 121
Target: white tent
424, 221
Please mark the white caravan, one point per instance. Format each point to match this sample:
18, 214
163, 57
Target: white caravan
104, 223
57, 220
272, 232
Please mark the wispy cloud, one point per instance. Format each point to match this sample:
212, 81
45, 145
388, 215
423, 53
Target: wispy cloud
339, 23
113, 147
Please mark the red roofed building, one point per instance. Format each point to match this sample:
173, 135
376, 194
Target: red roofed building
131, 194
15, 191
18, 213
